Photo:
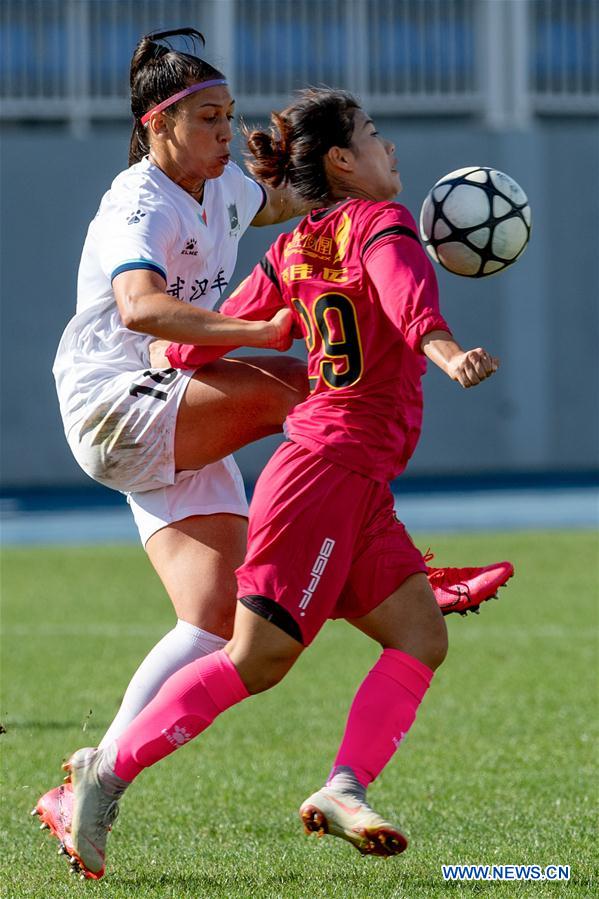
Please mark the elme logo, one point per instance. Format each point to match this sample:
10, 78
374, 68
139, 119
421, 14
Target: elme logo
318, 568
190, 248
178, 736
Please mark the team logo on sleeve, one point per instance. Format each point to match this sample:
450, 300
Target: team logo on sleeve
233, 218
134, 217
190, 248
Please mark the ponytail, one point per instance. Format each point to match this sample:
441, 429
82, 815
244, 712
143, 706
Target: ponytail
156, 73
269, 157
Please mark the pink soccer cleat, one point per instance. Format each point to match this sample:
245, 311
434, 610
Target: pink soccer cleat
80, 813
55, 811
464, 589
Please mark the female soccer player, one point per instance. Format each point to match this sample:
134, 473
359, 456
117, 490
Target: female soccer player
158, 255
363, 295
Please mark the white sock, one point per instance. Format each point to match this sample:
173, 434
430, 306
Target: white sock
177, 648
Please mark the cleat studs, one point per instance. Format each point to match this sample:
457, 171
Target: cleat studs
44, 826
34, 812
82, 876
61, 850
475, 610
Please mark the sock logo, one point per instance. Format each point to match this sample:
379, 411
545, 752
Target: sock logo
318, 568
178, 736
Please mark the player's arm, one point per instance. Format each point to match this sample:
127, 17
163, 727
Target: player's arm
258, 297
281, 204
145, 307
467, 367
407, 287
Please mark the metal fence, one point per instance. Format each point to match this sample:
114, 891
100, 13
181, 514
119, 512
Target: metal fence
501, 60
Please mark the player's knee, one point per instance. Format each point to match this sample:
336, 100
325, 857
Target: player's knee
421, 630
430, 630
436, 643
261, 671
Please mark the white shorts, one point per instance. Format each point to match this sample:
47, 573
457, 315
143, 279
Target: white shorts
215, 488
125, 438
126, 441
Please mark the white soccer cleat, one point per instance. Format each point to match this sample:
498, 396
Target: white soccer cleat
340, 814
95, 808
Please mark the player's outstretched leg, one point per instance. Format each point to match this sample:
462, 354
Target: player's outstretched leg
464, 589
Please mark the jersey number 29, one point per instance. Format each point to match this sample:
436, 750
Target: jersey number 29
334, 319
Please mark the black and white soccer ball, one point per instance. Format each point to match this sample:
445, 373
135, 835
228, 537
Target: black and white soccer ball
475, 221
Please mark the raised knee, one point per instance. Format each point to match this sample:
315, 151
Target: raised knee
437, 644
261, 675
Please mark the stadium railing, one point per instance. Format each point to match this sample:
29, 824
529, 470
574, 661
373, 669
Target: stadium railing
498, 60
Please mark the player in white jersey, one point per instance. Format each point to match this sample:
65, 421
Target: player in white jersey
158, 256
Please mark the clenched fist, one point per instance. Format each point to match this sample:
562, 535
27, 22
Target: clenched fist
472, 367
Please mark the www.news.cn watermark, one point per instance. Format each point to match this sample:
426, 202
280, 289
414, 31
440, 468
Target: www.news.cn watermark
505, 872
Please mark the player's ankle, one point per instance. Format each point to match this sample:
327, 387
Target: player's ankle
343, 778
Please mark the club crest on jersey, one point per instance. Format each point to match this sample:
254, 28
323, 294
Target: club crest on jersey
233, 218
190, 248
134, 217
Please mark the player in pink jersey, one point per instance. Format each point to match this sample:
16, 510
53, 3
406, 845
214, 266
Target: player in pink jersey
324, 541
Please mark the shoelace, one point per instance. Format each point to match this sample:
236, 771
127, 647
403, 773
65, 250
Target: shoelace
439, 575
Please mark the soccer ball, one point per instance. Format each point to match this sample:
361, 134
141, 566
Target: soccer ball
475, 221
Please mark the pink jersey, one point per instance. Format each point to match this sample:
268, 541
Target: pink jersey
363, 294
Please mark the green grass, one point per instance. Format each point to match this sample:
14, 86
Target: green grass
499, 768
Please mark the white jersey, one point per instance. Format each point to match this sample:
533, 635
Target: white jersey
146, 221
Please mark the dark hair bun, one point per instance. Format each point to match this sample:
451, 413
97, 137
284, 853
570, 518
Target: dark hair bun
270, 152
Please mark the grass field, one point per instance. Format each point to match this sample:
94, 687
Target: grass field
499, 768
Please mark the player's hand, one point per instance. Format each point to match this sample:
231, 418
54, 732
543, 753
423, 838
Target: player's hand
157, 350
472, 367
279, 331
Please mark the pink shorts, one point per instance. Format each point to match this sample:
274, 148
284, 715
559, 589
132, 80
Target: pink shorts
323, 541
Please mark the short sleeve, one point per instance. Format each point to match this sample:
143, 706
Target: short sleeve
249, 196
136, 235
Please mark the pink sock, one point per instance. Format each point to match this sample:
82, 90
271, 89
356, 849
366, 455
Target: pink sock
184, 706
383, 710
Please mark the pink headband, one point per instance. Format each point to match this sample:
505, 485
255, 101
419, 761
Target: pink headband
188, 90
